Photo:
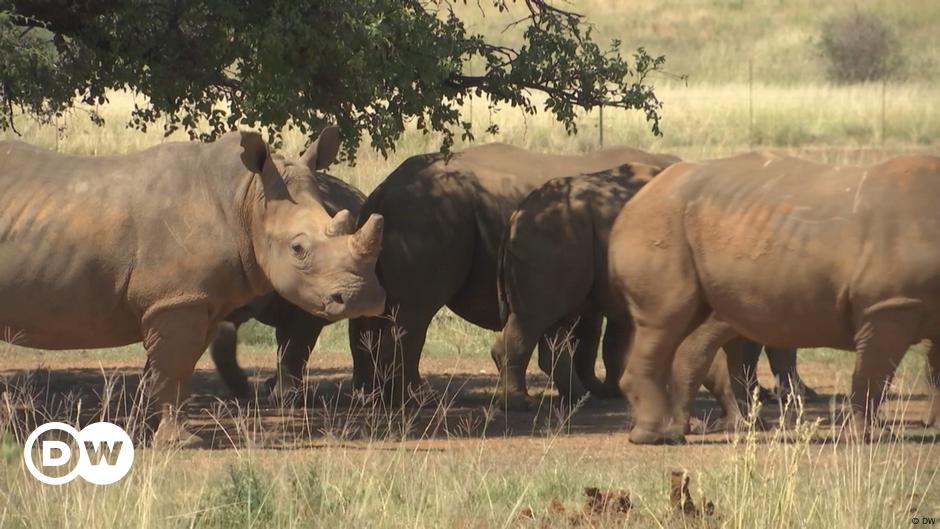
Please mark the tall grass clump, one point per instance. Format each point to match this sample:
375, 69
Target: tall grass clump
807, 475
242, 498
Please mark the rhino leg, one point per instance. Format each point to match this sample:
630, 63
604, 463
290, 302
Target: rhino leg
690, 368
295, 340
645, 380
933, 379
405, 383
364, 334
175, 338
556, 351
749, 353
388, 353
719, 382
882, 338
512, 352
616, 338
223, 351
783, 365
588, 333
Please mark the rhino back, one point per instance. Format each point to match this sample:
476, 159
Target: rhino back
561, 232
337, 195
494, 179
809, 242
454, 210
88, 243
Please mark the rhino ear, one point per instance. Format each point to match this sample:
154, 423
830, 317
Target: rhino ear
254, 151
322, 153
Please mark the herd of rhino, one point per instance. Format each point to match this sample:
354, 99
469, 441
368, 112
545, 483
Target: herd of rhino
693, 264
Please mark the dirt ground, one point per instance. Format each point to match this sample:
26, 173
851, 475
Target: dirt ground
459, 413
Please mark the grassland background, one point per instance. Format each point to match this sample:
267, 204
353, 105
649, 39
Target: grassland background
754, 80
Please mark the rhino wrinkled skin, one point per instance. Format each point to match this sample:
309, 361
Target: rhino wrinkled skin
785, 252
553, 277
160, 245
295, 329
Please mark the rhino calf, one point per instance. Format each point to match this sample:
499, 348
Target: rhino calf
160, 245
783, 251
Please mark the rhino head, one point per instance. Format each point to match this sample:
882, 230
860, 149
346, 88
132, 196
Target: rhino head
321, 264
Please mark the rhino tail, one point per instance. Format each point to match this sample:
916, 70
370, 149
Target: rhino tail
503, 270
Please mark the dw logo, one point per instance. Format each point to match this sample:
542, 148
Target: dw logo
104, 453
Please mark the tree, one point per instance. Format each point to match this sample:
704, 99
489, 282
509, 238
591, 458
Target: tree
859, 46
208, 66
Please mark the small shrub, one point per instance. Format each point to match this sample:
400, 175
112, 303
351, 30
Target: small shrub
243, 498
313, 498
859, 47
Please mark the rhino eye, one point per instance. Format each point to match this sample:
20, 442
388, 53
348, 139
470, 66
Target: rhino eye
298, 248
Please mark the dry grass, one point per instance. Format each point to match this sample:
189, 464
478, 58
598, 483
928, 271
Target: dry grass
791, 477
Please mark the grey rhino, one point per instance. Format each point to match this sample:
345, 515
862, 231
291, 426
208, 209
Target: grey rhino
552, 280
296, 330
445, 216
160, 245
553, 276
783, 251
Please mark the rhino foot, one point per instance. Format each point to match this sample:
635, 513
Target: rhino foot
808, 394
240, 387
607, 391
175, 436
645, 436
863, 430
284, 391
514, 401
704, 426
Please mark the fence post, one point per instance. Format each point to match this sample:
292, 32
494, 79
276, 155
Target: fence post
750, 103
884, 83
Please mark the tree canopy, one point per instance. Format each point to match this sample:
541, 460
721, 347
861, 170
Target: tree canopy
208, 66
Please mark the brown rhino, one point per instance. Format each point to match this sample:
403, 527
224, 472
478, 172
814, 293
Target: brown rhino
444, 219
782, 251
160, 245
553, 276
296, 330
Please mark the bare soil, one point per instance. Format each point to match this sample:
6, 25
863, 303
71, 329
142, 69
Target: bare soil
459, 413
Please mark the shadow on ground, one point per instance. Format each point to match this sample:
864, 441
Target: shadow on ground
460, 407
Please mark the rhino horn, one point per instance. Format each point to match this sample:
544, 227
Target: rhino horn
341, 224
367, 242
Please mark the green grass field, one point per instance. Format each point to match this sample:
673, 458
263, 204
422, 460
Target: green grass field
754, 82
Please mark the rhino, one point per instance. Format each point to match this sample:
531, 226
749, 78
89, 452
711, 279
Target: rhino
160, 245
296, 330
553, 277
552, 280
783, 251
445, 216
